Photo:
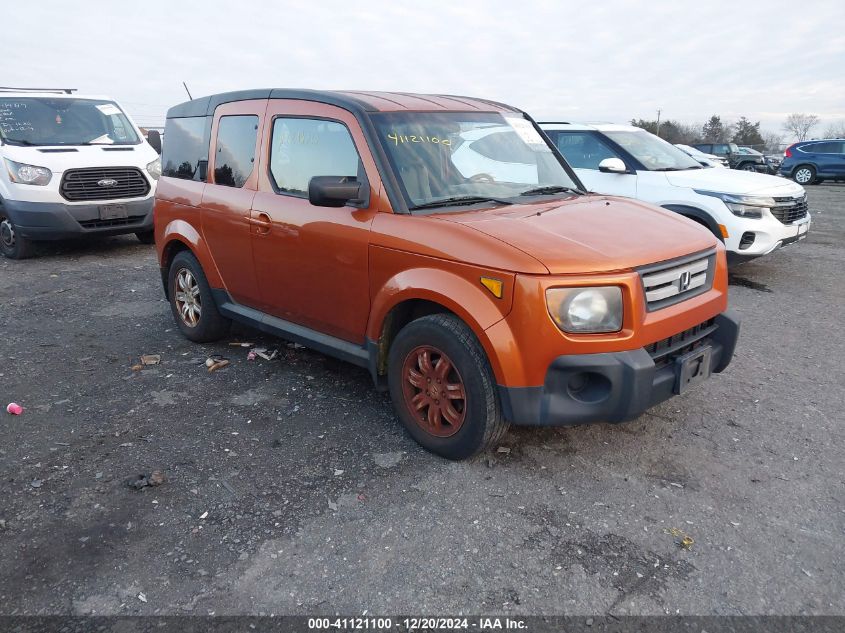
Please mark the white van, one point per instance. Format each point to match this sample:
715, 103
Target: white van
72, 166
753, 214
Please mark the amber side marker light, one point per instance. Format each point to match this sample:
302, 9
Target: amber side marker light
724, 230
495, 286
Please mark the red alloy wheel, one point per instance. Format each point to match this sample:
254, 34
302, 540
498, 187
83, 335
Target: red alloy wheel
434, 391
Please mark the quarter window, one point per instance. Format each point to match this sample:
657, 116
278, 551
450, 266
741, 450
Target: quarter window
185, 148
304, 148
583, 150
235, 149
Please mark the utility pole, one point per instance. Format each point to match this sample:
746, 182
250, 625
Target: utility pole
658, 122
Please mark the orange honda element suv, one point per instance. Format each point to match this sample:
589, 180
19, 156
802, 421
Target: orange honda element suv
445, 245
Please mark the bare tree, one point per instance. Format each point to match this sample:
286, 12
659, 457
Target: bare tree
835, 130
800, 124
773, 141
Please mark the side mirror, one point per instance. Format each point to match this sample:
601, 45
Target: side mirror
333, 191
613, 166
154, 139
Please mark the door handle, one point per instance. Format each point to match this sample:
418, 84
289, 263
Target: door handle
262, 223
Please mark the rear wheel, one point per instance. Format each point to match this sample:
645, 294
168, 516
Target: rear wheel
191, 301
443, 389
804, 175
12, 244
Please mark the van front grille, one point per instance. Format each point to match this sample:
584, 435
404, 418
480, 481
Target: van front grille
671, 282
104, 183
789, 210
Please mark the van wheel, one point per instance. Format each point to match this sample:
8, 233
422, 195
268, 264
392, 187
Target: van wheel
804, 175
191, 301
442, 387
146, 237
12, 245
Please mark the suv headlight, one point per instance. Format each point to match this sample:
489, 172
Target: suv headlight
27, 174
742, 206
154, 168
586, 310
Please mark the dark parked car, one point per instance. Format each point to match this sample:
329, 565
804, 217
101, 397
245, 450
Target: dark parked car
734, 155
811, 162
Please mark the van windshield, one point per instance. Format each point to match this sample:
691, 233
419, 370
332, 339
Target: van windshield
453, 156
654, 153
64, 121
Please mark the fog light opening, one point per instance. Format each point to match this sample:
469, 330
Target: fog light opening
746, 240
588, 387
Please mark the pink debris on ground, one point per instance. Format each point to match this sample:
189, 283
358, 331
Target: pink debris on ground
14, 408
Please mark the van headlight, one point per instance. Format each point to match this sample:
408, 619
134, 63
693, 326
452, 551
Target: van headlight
154, 168
586, 310
27, 174
742, 206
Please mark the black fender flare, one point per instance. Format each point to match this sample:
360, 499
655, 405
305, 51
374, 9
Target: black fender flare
697, 214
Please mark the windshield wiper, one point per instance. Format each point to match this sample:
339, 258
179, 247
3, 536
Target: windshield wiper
19, 141
550, 189
457, 200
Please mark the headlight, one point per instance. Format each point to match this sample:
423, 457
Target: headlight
586, 310
154, 168
27, 174
743, 206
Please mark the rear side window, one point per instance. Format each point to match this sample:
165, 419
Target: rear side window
185, 148
303, 148
583, 150
822, 148
235, 146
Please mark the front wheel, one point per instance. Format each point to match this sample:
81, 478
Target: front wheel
12, 244
804, 175
748, 167
443, 389
146, 237
191, 301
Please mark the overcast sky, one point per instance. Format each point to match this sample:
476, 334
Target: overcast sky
607, 60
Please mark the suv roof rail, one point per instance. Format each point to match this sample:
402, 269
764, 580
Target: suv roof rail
56, 90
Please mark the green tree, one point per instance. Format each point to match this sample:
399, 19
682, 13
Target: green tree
714, 131
748, 133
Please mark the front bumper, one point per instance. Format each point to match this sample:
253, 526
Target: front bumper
620, 385
56, 220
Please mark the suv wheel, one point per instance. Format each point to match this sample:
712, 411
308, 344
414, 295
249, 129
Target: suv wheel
804, 175
748, 167
12, 245
442, 387
191, 301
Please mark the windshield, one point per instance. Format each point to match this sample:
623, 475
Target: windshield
58, 121
654, 153
477, 156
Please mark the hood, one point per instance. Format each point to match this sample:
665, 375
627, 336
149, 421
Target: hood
591, 233
58, 158
734, 181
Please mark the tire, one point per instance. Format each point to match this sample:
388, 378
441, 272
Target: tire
12, 245
804, 175
475, 422
146, 237
191, 301
748, 167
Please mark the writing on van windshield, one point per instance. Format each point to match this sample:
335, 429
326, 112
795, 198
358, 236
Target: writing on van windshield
13, 117
418, 138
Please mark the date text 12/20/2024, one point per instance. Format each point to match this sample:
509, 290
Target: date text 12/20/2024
416, 624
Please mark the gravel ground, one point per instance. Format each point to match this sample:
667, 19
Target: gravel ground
291, 487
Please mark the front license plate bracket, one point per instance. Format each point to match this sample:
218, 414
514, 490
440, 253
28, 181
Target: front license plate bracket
113, 212
692, 368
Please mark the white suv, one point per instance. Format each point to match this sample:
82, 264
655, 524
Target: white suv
71, 166
753, 214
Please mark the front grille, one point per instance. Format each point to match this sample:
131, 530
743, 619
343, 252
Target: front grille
789, 210
104, 183
671, 282
665, 351
103, 224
